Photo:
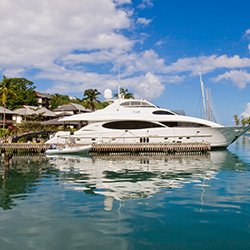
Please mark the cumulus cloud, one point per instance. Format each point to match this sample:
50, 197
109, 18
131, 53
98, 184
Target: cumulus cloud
246, 113
69, 43
239, 77
207, 64
143, 21
147, 86
247, 32
40, 32
145, 61
146, 4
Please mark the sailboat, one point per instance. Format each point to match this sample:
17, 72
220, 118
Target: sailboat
207, 102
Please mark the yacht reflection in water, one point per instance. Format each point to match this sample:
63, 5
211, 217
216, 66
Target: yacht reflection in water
126, 177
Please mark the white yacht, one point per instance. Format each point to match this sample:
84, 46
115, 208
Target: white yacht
139, 121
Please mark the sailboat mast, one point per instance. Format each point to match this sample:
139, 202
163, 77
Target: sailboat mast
208, 105
203, 97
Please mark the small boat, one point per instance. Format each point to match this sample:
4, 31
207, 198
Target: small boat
69, 150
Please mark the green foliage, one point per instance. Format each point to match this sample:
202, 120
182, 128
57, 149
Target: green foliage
125, 94
102, 105
35, 117
236, 119
58, 100
243, 121
91, 100
31, 126
6, 90
25, 94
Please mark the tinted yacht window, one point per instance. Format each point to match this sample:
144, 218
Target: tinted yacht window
162, 112
184, 124
130, 125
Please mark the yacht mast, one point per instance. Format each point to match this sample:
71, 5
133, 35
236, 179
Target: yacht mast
119, 82
203, 97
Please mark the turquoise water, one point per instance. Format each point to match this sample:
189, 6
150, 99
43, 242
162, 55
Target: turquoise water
127, 202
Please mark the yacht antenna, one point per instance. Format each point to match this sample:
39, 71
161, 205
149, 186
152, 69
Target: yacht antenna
203, 97
119, 82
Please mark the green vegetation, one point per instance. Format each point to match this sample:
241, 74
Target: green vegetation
58, 100
91, 100
243, 121
5, 92
125, 94
24, 91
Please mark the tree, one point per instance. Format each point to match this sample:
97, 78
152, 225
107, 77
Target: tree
24, 90
58, 100
236, 119
5, 92
91, 100
125, 94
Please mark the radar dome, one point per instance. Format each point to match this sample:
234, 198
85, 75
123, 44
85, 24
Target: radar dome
108, 94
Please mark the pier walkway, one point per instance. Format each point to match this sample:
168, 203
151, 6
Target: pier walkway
112, 147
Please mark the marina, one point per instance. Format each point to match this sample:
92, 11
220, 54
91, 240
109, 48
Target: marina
108, 148
125, 201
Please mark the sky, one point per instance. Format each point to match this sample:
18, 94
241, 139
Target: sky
160, 46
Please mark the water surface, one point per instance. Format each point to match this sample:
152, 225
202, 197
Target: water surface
127, 202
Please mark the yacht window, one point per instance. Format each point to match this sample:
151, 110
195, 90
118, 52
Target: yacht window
136, 104
146, 104
130, 125
125, 104
140, 104
163, 112
184, 124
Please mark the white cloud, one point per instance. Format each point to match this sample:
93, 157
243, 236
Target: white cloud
146, 4
143, 21
146, 61
247, 32
64, 42
246, 113
239, 77
121, 2
147, 86
40, 32
207, 64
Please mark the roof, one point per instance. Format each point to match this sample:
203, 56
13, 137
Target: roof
62, 114
7, 111
70, 107
42, 95
57, 122
32, 110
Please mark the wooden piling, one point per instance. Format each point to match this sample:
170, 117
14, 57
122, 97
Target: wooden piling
169, 148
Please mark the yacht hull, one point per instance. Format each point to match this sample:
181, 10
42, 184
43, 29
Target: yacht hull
218, 137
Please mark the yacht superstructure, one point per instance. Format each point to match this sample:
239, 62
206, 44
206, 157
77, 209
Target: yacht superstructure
139, 121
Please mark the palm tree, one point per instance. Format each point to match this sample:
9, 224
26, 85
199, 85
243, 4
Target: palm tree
125, 94
236, 119
5, 90
91, 100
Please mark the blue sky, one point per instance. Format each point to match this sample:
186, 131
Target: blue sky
161, 46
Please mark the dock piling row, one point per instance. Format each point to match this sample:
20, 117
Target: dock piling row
113, 147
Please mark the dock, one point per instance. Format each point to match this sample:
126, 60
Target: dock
169, 148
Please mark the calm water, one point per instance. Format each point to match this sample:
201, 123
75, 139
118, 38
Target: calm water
128, 202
